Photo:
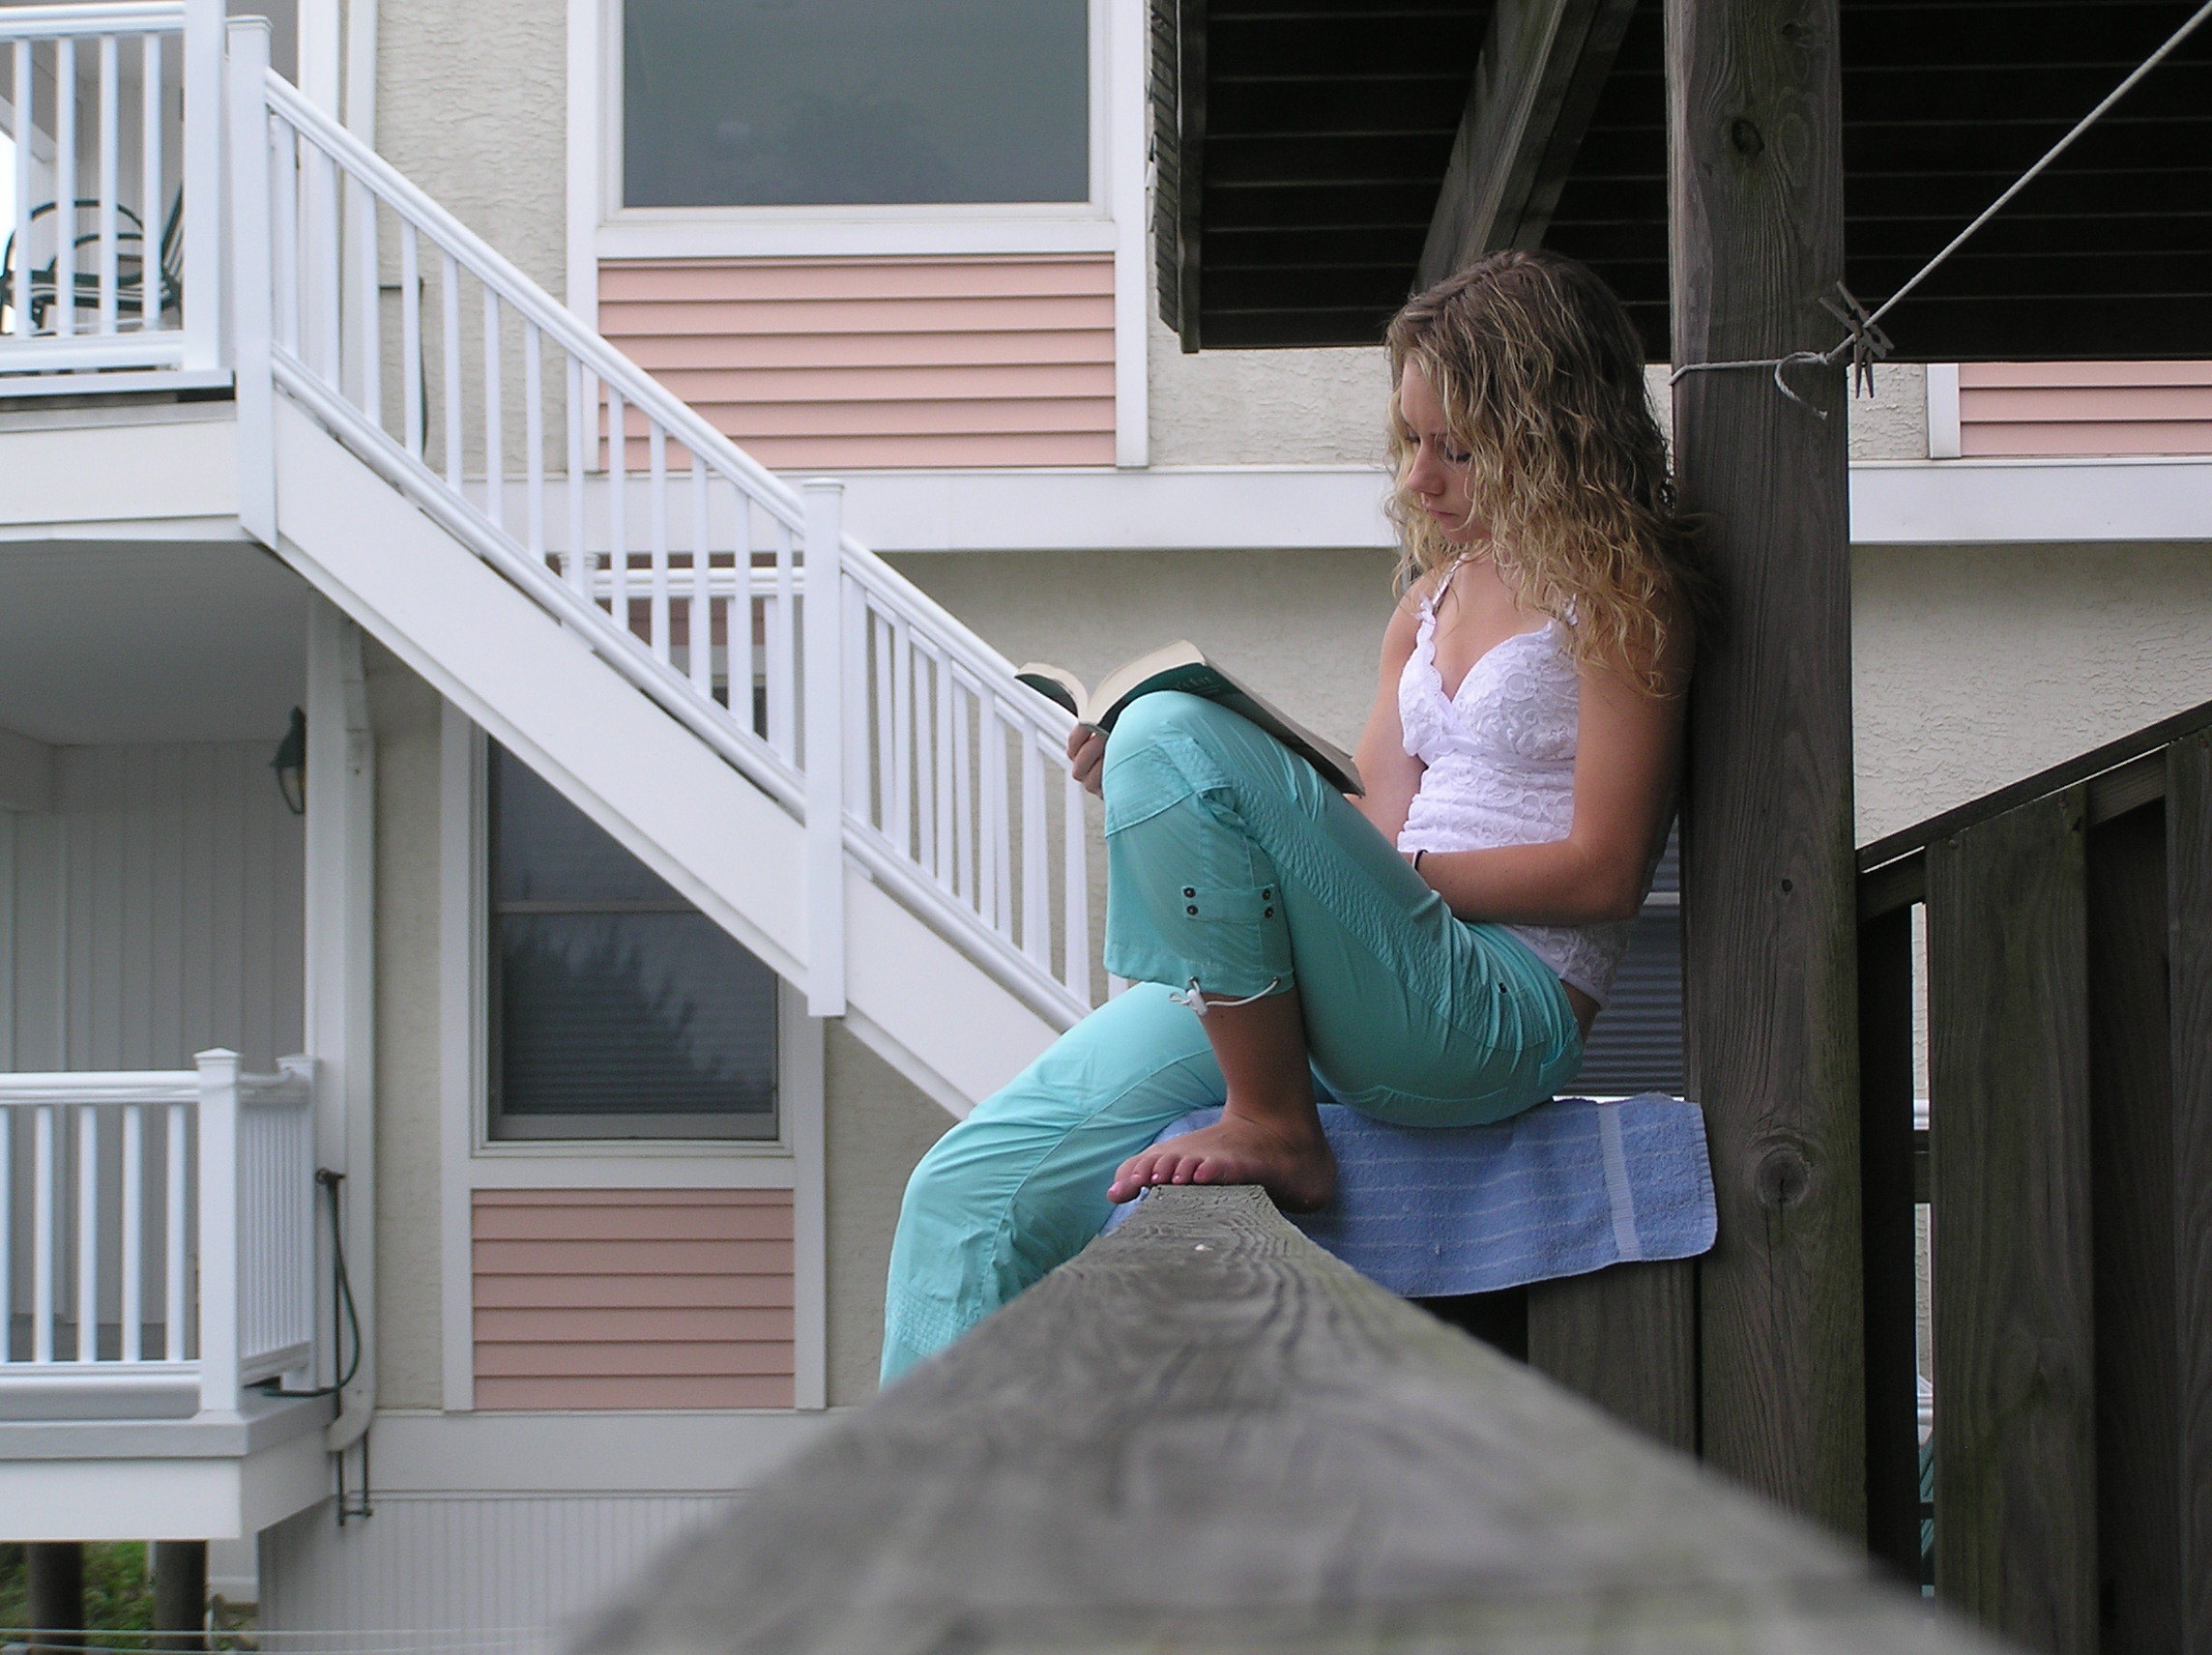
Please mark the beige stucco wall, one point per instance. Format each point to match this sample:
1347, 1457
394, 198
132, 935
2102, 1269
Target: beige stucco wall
1974, 666
878, 1126
405, 714
1303, 407
472, 104
1303, 625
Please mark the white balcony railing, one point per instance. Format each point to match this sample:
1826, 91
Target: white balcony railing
102, 268
157, 1236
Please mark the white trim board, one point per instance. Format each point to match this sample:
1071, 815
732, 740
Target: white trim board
2028, 502
1313, 507
596, 1452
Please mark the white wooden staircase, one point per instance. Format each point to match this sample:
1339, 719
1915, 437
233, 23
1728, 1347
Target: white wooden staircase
801, 743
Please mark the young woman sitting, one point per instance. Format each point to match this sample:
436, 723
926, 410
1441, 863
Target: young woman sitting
1432, 952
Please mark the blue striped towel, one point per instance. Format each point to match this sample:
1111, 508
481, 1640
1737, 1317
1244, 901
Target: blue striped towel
1566, 1188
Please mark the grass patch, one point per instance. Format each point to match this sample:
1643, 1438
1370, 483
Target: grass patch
118, 1588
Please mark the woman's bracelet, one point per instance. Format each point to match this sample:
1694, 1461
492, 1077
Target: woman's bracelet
1417, 855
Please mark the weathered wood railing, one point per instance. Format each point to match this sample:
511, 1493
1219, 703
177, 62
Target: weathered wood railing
2068, 995
1206, 1434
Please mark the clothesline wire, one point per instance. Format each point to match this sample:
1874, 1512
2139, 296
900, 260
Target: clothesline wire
1865, 344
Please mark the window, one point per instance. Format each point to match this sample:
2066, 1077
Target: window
768, 102
619, 1010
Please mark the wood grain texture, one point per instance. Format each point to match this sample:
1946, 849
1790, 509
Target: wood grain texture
1756, 182
2015, 1540
1887, 1176
1627, 1338
1204, 1434
2189, 874
1536, 85
2131, 1205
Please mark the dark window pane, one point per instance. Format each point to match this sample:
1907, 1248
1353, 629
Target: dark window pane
545, 850
632, 1014
621, 1012
757, 102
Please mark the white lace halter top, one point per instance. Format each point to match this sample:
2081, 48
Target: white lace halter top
1500, 758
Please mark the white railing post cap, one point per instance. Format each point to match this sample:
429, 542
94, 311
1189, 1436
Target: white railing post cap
823, 485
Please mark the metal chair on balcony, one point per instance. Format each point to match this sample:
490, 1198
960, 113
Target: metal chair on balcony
46, 285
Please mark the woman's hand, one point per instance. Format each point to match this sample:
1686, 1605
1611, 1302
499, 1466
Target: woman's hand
1087, 757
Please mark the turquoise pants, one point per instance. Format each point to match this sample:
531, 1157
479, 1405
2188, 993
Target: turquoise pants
1231, 864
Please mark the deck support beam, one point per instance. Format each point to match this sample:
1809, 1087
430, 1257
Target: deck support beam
1757, 240
1535, 86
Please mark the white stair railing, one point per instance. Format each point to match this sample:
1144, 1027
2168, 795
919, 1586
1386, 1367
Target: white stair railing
679, 560
102, 269
156, 1230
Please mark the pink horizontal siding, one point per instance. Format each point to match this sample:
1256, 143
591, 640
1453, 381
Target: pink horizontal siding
633, 1298
880, 363
2085, 408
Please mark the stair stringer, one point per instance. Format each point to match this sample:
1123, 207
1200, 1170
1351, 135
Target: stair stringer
921, 1004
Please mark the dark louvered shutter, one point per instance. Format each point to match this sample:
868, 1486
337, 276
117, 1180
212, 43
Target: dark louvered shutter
1636, 1044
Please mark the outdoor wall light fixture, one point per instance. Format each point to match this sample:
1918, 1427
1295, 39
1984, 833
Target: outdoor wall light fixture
291, 765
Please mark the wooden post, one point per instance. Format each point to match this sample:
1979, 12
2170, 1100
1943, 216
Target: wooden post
55, 1593
1756, 225
180, 1594
2189, 874
2133, 1196
2008, 1004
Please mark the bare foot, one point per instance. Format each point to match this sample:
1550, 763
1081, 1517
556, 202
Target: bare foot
1296, 1168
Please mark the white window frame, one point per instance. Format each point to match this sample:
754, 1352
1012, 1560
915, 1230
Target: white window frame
471, 1159
1116, 221
711, 232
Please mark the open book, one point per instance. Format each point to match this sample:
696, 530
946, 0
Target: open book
1183, 666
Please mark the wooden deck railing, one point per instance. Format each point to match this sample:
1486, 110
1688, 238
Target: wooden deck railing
1204, 1434
2069, 994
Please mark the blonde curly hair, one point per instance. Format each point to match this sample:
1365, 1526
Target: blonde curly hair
1541, 377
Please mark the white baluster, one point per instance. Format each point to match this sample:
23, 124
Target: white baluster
657, 517
699, 627
326, 259
174, 1236
996, 871
617, 509
879, 664
285, 202
1036, 862
131, 1264
19, 300
946, 865
87, 1233
449, 300
494, 434
110, 170
964, 881
1075, 891
45, 1228
151, 195
411, 340
534, 441
370, 304
901, 736
580, 561
780, 638
64, 309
